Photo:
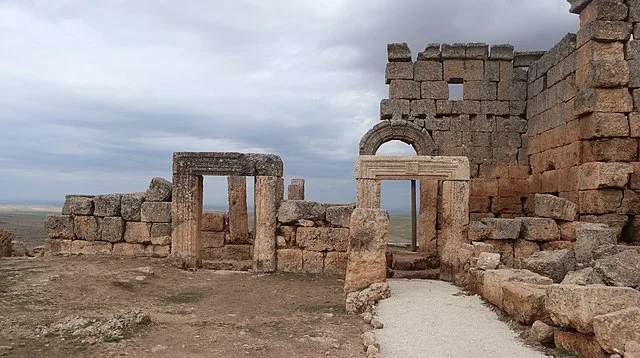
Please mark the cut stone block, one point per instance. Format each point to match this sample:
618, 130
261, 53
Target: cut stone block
539, 229
586, 276
335, 263
128, 250
506, 229
161, 233
589, 238
398, 52
622, 270
81, 247
59, 227
480, 232
295, 190
428, 71
289, 260
111, 229
322, 238
585, 345
613, 330
292, 211
213, 221
57, 247
551, 206
339, 216
576, 306
238, 219
157, 212
312, 261
212, 239
107, 205
85, 227
523, 249
390, 108
397, 71
80, 204
601, 201
604, 175
159, 190
131, 206
568, 229
524, 302
137, 232
494, 280
552, 264
488, 261
404, 89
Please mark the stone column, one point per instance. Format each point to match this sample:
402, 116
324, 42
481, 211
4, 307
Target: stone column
428, 216
264, 247
295, 191
368, 238
368, 193
186, 212
238, 221
455, 224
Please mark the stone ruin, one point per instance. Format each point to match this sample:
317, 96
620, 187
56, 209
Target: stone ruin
528, 185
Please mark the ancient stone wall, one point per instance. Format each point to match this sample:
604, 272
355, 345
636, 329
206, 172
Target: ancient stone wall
132, 224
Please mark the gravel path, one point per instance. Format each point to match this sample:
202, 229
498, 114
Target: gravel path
424, 319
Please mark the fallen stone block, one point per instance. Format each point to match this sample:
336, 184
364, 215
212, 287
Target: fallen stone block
339, 216
6, 238
523, 249
539, 229
589, 238
59, 227
540, 332
551, 206
575, 306
291, 211
585, 345
157, 212
613, 330
552, 264
505, 229
107, 205
524, 302
506, 250
131, 205
586, 276
568, 229
622, 270
159, 190
493, 280
364, 300
488, 261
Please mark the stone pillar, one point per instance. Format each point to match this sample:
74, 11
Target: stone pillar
427, 232
186, 212
368, 238
279, 192
238, 221
264, 246
295, 190
368, 193
455, 224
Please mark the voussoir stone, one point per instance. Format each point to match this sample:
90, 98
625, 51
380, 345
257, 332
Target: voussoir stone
159, 190
157, 212
291, 211
551, 206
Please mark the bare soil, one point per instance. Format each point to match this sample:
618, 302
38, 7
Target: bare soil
193, 314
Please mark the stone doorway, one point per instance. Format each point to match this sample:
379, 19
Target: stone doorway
188, 171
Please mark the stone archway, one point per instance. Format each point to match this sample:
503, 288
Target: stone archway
405, 131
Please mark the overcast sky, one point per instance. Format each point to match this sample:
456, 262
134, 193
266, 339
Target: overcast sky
95, 96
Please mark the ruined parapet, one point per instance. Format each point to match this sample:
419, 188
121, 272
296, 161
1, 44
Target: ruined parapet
131, 224
295, 190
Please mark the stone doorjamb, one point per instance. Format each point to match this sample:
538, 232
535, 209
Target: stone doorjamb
186, 210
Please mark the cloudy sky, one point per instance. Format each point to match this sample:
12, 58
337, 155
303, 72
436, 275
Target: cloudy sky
95, 96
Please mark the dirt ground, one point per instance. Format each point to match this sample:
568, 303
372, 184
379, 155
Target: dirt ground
193, 314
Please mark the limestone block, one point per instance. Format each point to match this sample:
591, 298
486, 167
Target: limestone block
128, 250
111, 229
291, 211
339, 216
427, 71
57, 246
398, 71
159, 190
501, 52
600, 125
480, 232
423, 107
398, 52
79, 204
238, 219
603, 100
59, 227
312, 261
453, 70
605, 31
266, 204
551, 206
81, 247
506, 250
478, 51
157, 212
632, 349
601, 201
541, 332
610, 150
212, 239
511, 124
603, 74
494, 280
607, 10
335, 263
404, 89
213, 221
622, 269
598, 175
524, 302
226, 164
634, 117
506, 229
369, 233
295, 191
568, 229
488, 261
588, 238
455, 51
396, 107
322, 238
107, 205
586, 276
85, 227
289, 260
552, 264
474, 70
585, 345
157, 251
523, 249
454, 227
160, 233
431, 52
434, 90
131, 205
576, 306
480, 90
484, 187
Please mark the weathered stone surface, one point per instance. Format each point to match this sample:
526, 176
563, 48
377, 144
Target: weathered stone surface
541, 332
506, 250
602, 201
568, 229
494, 280
604, 175
506, 229
394, 71
364, 300
551, 206
590, 238
131, 206
160, 233
19, 249
585, 345
137, 232
295, 190
523, 249
553, 264
81, 247
159, 190
613, 330
289, 260
454, 228
369, 233
488, 261
111, 229
291, 211
403, 167
404, 89
312, 261
107, 205
398, 52
213, 221
238, 218
79, 204
390, 108
85, 227
576, 306
323, 238
226, 164
621, 270
266, 204
6, 238
229, 252
524, 302
586, 276
59, 227
336, 263
129, 250
157, 251
339, 216
57, 246
632, 349
539, 229
556, 245
480, 232
157, 212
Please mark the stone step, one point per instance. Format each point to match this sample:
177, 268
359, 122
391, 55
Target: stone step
230, 265
428, 274
228, 252
406, 260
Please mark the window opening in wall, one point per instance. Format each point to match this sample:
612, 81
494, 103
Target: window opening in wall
456, 90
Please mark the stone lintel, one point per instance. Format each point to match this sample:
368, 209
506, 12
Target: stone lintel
227, 164
416, 167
